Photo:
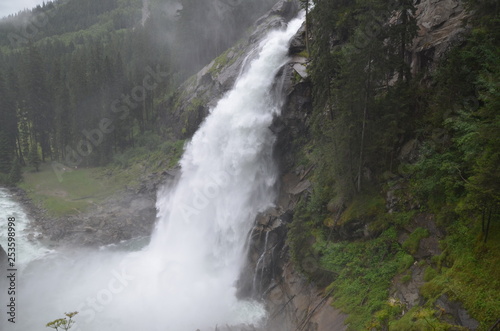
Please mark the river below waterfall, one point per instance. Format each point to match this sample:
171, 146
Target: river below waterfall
28, 248
185, 278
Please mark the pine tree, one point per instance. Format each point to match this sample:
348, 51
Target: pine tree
34, 158
15, 174
38, 100
5, 153
8, 127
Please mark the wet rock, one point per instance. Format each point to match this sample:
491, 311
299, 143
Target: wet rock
141, 204
88, 229
455, 313
300, 187
408, 293
398, 198
428, 248
409, 151
296, 304
286, 9
298, 44
301, 70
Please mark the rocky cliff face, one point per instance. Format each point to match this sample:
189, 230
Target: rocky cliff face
440, 26
293, 302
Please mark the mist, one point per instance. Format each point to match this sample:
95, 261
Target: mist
206, 28
11, 7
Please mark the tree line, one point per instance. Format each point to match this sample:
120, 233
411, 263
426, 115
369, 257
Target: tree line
68, 65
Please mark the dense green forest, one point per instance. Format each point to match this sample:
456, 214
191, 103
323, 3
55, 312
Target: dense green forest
80, 79
429, 138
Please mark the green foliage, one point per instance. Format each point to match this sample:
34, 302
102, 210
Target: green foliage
363, 273
353, 98
153, 150
173, 151
149, 140
406, 278
392, 309
63, 324
412, 243
400, 219
300, 238
5, 153
224, 60
429, 274
124, 160
466, 272
15, 174
363, 207
80, 188
419, 319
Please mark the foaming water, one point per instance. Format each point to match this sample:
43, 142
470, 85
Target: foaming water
28, 249
185, 278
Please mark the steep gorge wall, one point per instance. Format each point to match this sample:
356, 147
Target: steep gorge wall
293, 302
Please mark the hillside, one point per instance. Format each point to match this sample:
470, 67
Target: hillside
398, 221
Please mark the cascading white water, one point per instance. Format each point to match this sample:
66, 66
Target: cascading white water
185, 278
261, 259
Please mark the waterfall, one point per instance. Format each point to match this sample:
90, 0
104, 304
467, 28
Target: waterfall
185, 278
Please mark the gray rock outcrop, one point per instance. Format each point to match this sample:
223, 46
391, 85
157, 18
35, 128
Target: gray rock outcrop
440, 26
